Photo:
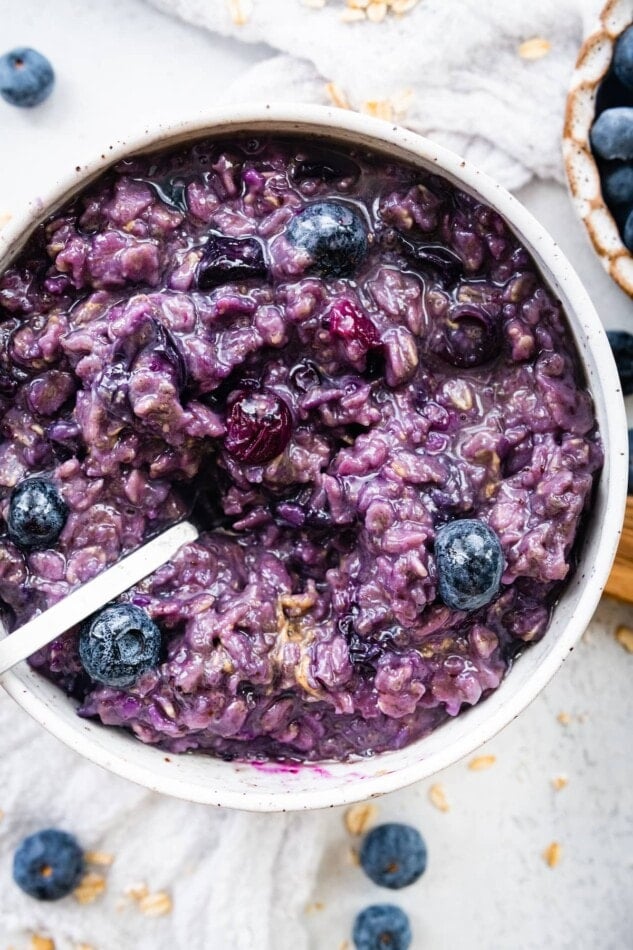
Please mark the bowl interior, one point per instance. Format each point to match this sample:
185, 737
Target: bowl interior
271, 786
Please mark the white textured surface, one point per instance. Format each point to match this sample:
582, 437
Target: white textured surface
487, 887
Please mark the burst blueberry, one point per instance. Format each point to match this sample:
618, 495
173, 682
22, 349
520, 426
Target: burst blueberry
26, 77
612, 133
332, 235
471, 337
382, 927
226, 260
623, 58
393, 855
470, 563
118, 645
258, 426
48, 865
37, 514
622, 347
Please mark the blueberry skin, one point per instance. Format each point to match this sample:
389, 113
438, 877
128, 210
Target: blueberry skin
630, 488
48, 865
612, 133
617, 184
627, 231
470, 563
393, 855
37, 514
118, 644
623, 58
622, 346
382, 927
333, 235
227, 259
26, 77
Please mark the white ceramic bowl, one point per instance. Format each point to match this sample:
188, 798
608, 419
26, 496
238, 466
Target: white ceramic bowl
270, 787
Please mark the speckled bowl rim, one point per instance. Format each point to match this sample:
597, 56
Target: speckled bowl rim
583, 178
286, 787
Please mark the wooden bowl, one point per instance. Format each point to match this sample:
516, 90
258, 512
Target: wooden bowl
592, 66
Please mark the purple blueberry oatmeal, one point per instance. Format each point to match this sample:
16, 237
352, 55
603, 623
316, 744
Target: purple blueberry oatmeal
353, 378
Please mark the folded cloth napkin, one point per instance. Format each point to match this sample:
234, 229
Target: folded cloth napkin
455, 70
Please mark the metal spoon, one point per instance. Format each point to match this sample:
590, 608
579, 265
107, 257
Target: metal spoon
88, 598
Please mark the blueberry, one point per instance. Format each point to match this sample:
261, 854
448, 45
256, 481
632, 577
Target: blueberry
627, 231
623, 58
227, 259
470, 563
382, 927
622, 346
612, 133
471, 336
630, 488
118, 644
617, 184
432, 257
26, 77
258, 426
37, 514
48, 865
393, 855
333, 235
352, 326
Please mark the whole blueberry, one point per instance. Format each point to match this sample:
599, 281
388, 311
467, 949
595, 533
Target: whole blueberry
612, 133
382, 927
630, 488
471, 336
622, 347
469, 562
627, 231
617, 184
226, 259
48, 865
26, 77
258, 426
118, 644
393, 855
333, 236
623, 58
37, 514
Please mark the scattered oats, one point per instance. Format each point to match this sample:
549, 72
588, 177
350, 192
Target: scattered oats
353, 857
402, 6
377, 11
536, 48
378, 108
359, 817
155, 905
437, 797
344, 945
314, 907
337, 96
84, 946
240, 11
314, 4
101, 858
349, 15
401, 101
481, 762
564, 718
90, 888
42, 943
552, 854
358, 4
624, 636
559, 782
5, 217
137, 891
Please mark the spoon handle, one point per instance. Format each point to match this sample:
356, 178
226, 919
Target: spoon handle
88, 598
